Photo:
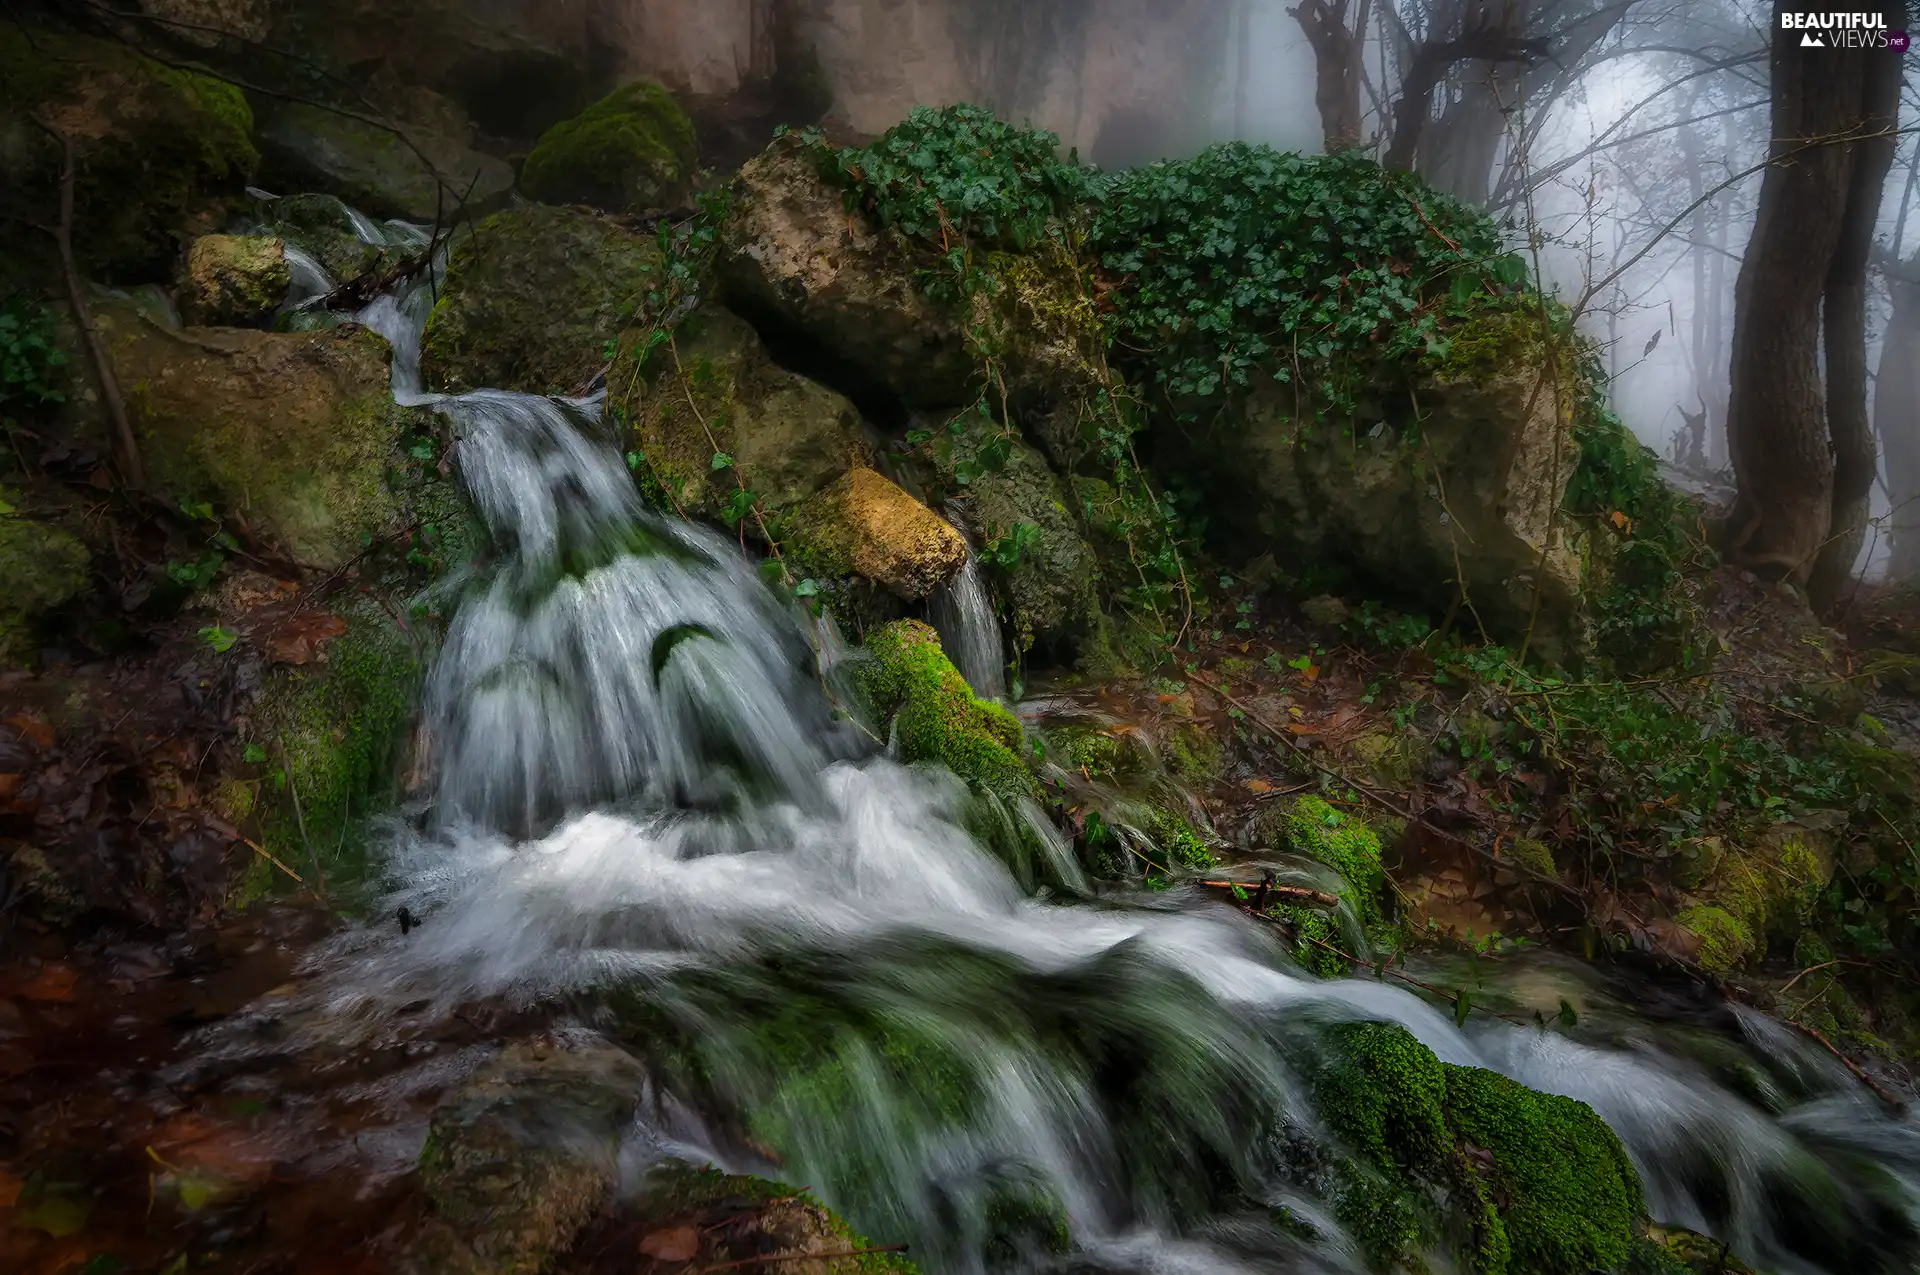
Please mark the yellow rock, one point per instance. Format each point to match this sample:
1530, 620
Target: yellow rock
865, 525
234, 280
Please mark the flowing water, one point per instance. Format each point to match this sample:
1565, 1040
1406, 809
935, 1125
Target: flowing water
645, 817
962, 611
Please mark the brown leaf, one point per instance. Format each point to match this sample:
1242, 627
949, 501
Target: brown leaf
54, 982
33, 728
302, 637
671, 1244
9, 1190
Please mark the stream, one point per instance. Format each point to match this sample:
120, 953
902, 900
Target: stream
646, 820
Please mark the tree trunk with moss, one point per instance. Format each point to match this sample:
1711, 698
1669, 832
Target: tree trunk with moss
1896, 416
1798, 444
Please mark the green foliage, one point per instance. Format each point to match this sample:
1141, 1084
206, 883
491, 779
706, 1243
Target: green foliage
1006, 550
1311, 827
30, 355
957, 175
1325, 267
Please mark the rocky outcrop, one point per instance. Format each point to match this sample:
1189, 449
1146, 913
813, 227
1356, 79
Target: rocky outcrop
714, 414
868, 526
533, 299
632, 151
795, 261
426, 174
290, 435
233, 280
159, 154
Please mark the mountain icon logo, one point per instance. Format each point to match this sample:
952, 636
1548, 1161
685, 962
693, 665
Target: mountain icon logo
1808, 40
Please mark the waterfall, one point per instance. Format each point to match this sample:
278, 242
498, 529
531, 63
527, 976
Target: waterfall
645, 818
308, 279
962, 611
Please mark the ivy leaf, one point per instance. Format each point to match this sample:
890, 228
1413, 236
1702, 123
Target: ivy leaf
1462, 1006
722, 461
221, 640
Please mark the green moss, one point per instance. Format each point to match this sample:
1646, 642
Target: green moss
1193, 754
1725, 940
1179, 844
42, 567
1534, 854
333, 734
1747, 895
673, 1191
157, 148
1571, 1200
937, 717
632, 151
1535, 1184
1311, 827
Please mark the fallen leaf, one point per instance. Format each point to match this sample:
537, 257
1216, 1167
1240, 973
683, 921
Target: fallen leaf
57, 1215
302, 637
33, 728
1620, 520
54, 982
9, 1190
1258, 785
673, 1244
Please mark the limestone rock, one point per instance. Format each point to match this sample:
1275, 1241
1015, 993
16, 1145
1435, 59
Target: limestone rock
532, 299
787, 437
793, 259
233, 280
632, 151
307, 148
291, 434
159, 153
867, 525
523, 1154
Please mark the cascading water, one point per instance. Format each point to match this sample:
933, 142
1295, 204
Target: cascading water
644, 816
962, 612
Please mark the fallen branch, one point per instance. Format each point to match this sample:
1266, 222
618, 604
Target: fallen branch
1859, 1073
1268, 889
132, 472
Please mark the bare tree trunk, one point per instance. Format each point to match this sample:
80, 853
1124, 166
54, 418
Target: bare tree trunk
1845, 315
1783, 453
1336, 68
1457, 150
1713, 389
1896, 417
1243, 71
1692, 147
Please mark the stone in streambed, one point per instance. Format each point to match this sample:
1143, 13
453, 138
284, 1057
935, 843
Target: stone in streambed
632, 151
866, 525
233, 280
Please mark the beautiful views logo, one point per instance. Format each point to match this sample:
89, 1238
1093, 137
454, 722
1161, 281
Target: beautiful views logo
1844, 31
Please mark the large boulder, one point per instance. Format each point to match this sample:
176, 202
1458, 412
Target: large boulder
532, 300
233, 280
795, 261
159, 153
426, 174
632, 151
290, 435
866, 525
1458, 480
713, 414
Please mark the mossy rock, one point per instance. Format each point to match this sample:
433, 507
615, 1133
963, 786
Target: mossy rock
532, 300
235, 281
323, 226
866, 525
1051, 590
936, 717
713, 411
1310, 827
737, 1219
1394, 760
160, 154
307, 147
1535, 1184
44, 567
1040, 318
522, 1155
290, 434
1745, 896
632, 151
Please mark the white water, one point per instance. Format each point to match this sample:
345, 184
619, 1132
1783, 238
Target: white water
962, 612
640, 799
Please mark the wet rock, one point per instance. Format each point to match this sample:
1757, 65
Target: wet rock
520, 1157
160, 153
936, 717
43, 565
793, 259
1743, 896
289, 434
233, 280
717, 394
325, 228
532, 300
865, 525
632, 151
310, 148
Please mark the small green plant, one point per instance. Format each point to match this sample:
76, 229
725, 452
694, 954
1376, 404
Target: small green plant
1006, 550
220, 639
30, 355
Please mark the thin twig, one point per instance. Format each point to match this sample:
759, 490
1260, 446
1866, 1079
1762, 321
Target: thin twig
1852, 1066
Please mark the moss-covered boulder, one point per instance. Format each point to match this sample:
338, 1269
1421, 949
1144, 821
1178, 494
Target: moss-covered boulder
867, 526
794, 260
1532, 1183
159, 153
1743, 896
290, 435
523, 1154
233, 281
713, 413
347, 245
44, 566
721, 1219
1016, 506
632, 151
532, 300
306, 147
936, 717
